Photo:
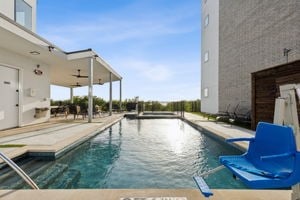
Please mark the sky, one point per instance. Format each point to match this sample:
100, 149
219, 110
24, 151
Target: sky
153, 44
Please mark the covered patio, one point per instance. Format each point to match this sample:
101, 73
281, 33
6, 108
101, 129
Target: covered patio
84, 68
36, 59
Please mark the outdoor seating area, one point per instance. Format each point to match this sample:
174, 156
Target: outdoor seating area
238, 114
75, 110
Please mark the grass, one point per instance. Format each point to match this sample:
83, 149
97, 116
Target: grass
11, 145
206, 115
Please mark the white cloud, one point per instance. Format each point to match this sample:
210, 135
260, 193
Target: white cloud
111, 28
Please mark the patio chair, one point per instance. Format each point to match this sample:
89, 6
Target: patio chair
96, 110
225, 116
74, 109
271, 161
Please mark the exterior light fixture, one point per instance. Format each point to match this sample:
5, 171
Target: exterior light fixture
37, 71
51, 48
35, 53
286, 52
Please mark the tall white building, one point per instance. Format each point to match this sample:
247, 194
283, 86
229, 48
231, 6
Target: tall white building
21, 11
240, 38
210, 56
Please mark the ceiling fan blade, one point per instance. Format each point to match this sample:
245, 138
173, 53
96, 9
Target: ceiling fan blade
76, 85
82, 76
99, 83
78, 75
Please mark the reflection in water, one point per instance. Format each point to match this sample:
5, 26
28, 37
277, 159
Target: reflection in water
138, 126
95, 159
162, 153
177, 138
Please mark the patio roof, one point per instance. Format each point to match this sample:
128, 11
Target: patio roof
62, 65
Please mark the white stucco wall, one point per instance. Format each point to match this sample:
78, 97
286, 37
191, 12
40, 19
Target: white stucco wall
7, 7
29, 80
210, 69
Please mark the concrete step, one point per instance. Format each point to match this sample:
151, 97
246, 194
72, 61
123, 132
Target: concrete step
50, 175
10, 179
42, 177
68, 180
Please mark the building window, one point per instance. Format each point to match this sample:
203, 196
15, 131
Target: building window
205, 1
206, 56
205, 91
206, 21
23, 13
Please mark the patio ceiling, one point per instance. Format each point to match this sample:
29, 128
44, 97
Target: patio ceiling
62, 65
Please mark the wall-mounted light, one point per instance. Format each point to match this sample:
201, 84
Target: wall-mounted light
37, 71
35, 53
286, 52
50, 48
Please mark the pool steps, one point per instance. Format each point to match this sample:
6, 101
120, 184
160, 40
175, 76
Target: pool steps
203, 186
50, 175
57, 175
68, 180
11, 181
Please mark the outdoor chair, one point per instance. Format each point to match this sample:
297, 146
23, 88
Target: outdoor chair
271, 161
96, 110
225, 116
61, 109
73, 110
83, 110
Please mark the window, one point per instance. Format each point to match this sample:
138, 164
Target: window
23, 13
206, 21
206, 56
205, 91
205, 1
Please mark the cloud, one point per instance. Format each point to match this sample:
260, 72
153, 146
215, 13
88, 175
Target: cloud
118, 27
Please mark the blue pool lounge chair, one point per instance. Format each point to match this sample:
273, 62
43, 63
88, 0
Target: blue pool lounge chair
271, 161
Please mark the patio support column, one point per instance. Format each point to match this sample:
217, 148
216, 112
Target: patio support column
71, 95
90, 105
120, 95
110, 93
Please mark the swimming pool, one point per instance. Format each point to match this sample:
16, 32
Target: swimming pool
156, 153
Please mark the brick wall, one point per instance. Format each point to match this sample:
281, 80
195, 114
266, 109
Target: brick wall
253, 34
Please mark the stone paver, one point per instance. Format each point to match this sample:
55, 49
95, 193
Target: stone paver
53, 137
221, 130
114, 194
57, 135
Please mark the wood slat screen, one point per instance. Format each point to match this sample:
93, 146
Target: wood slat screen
265, 88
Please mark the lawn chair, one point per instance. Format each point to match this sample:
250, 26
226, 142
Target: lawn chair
272, 160
226, 116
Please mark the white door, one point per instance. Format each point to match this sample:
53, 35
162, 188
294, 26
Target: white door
9, 97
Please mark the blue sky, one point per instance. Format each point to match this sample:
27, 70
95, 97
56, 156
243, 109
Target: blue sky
153, 44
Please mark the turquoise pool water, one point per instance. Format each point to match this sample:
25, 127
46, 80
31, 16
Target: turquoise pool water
163, 153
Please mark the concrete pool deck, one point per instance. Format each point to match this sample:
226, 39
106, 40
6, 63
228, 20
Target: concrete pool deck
57, 135
219, 130
53, 137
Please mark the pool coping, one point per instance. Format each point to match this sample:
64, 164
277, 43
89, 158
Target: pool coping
60, 148
216, 135
115, 194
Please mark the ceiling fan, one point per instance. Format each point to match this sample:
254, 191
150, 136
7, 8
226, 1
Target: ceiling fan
99, 83
78, 75
76, 85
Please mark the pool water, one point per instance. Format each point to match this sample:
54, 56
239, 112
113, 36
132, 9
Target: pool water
162, 153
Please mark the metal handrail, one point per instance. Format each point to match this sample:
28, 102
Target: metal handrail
19, 171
